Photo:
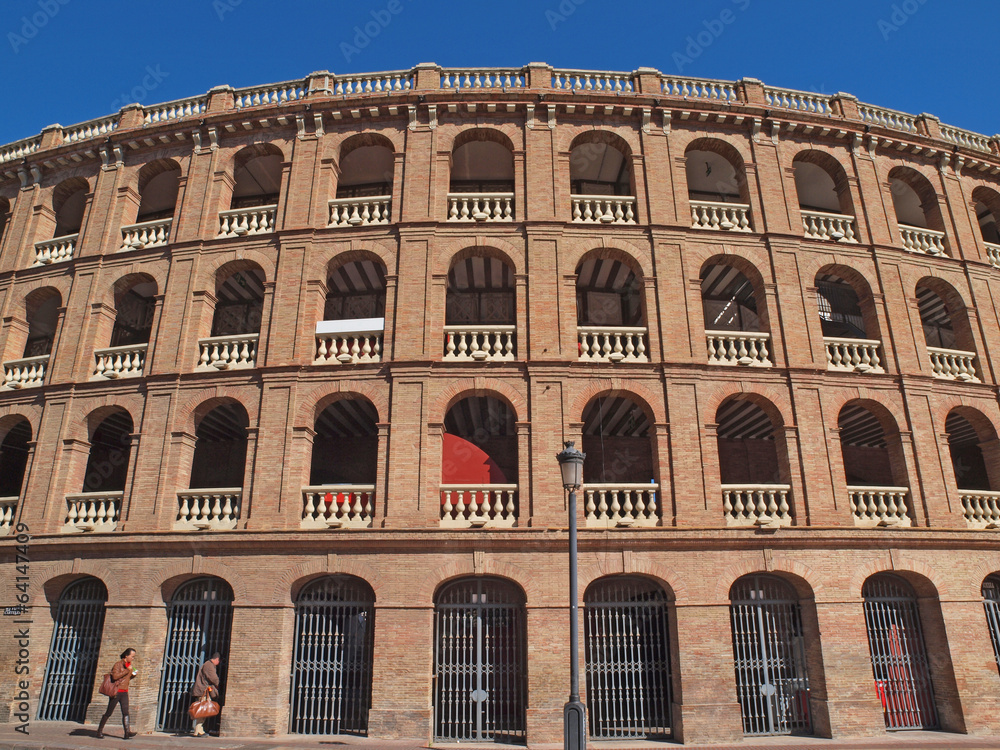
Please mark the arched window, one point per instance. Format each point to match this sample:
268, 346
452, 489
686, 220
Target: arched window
987, 203
480, 310
847, 318
257, 173
966, 454
946, 332
602, 187
13, 465
364, 184
69, 201
610, 314
43, 314
239, 306
135, 302
733, 327
921, 225
217, 470
991, 600
482, 177
824, 197
159, 182
99, 504
354, 313
717, 187
873, 462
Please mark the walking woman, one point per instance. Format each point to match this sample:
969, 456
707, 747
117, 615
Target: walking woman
122, 673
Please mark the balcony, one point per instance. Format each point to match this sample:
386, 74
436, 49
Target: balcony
729, 217
241, 222
879, 506
756, 505
360, 212
8, 507
92, 511
338, 506
216, 509
480, 207
146, 234
349, 342
919, 240
746, 348
25, 373
981, 509
853, 355
479, 343
603, 209
953, 364
820, 225
993, 254
612, 344
120, 362
228, 352
55, 250
465, 506
608, 506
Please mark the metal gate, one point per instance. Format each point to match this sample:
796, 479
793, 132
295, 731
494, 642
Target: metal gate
771, 680
991, 598
332, 666
899, 658
628, 659
199, 620
479, 661
76, 644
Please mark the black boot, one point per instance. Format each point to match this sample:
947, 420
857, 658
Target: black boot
129, 734
100, 727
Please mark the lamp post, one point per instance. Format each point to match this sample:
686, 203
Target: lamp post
574, 714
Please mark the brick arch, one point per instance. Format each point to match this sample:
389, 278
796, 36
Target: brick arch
174, 575
859, 269
639, 565
735, 150
989, 195
622, 138
926, 186
87, 413
292, 580
747, 260
126, 278
60, 573
341, 144
28, 292
646, 399
884, 413
434, 579
249, 260
983, 414
772, 400
979, 572
802, 578
13, 414
319, 265
925, 580
152, 169
480, 386
506, 134
200, 403
635, 257
313, 402
465, 247
240, 156
829, 159
985, 427
66, 188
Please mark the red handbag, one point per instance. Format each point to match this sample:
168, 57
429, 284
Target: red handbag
108, 686
203, 708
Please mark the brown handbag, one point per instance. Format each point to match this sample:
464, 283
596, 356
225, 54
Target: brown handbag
203, 708
108, 686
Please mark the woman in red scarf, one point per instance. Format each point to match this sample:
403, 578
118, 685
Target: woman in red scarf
122, 673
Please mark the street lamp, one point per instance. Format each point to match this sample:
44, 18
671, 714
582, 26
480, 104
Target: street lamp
574, 714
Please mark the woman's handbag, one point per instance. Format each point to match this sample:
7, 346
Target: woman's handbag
108, 686
203, 708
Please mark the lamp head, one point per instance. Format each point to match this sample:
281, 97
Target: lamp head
571, 465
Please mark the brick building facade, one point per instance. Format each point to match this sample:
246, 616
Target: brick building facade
286, 369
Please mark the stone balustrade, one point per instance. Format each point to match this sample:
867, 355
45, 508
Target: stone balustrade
612, 344
699, 88
93, 511
853, 355
589, 80
146, 234
603, 209
8, 509
90, 129
879, 506
618, 505
479, 343
25, 373
981, 509
120, 361
993, 254
920, 240
360, 212
480, 206
730, 217
174, 110
887, 118
349, 342
338, 506
276, 93
820, 225
800, 101
215, 509
228, 352
482, 78
373, 83
966, 138
953, 364
55, 250
19, 149
747, 348
466, 506
756, 504
241, 222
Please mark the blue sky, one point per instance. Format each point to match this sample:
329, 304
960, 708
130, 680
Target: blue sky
67, 61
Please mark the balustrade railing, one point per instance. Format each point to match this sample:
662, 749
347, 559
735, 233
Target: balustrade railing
349, 341
610, 505
19, 149
756, 504
213, 509
146, 234
820, 225
228, 352
587, 80
336, 506
483, 78
747, 348
853, 355
965, 138
480, 206
373, 83
276, 93
90, 129
93, 511
920, 240
699, 88
801, 101
993, 254
981, 509
479, 343
887, 118
953, 364
25, 373
174, 110
603, 209
359, 212
880, 506
120, 361
730, 217
478, 505
240, 222
612, 344
8, 508
55, 250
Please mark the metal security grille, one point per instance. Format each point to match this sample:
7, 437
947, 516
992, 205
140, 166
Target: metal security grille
899, 658
771, 681
332, 668
479, 661
200, 617
76, 643
991, 598
628, 659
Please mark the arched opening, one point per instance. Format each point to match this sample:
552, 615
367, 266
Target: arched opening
159, 182
946, 331
110, 448
717, 186
135, 303
332, 665
824, 197
42, 309
874, 466
610, 313
69, 201
921, 225
480, 310
991, 600
257, 175
221, 448
600, 169
627, 637
14, 450
364, 183
847, 320
239, 302
480, 661
964, 445
481, 186
729, 305
772, 683
987, 204
4, 217
354, 313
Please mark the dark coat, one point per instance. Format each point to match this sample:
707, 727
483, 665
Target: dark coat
207, 677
